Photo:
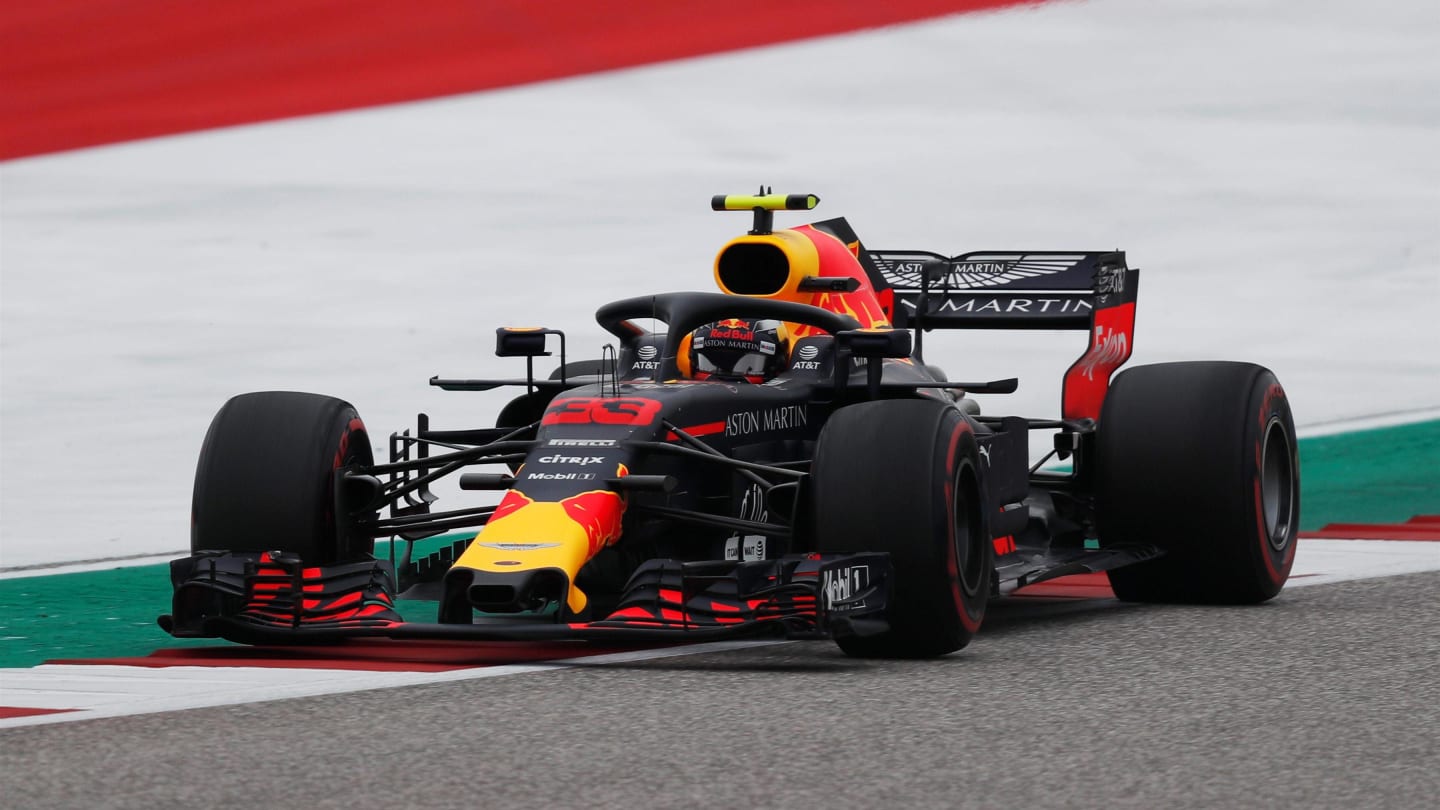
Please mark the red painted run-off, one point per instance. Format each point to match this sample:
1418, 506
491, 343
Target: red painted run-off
378, 655
1075, 586
7, 712
77, 73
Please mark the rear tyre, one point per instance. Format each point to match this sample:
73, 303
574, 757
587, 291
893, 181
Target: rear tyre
903, 477
1199, 459
266, 478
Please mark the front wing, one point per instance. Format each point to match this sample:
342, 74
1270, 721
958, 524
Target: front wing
273, 598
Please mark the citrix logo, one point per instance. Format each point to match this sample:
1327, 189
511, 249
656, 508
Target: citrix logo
570, 459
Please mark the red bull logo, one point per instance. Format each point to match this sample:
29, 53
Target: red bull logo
599, 512
513, 500
732, 334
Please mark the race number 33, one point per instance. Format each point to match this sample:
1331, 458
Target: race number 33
593, 411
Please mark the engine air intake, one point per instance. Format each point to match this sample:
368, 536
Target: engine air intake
753, 268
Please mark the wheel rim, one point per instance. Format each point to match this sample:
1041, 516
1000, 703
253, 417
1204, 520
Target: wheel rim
1277, 485
969, 554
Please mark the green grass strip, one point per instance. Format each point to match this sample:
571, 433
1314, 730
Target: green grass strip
1386, 475
111, 614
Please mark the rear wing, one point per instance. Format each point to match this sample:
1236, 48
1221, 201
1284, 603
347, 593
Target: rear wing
995, 290
1093, 291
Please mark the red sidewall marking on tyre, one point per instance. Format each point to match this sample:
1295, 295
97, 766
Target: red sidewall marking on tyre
355, 426
1277, 575
370, 656
968, 621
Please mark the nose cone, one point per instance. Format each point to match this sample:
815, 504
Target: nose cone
525, 536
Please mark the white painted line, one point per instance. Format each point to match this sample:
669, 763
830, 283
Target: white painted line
1323, 561
117, 691
89, 565
112, 691
1372, 422
116, 563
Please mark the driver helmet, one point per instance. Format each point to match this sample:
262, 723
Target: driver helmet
737, 349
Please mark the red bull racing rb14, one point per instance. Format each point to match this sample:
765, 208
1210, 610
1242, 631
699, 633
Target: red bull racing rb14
776, 459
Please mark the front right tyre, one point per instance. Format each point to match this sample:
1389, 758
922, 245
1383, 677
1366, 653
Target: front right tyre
903, 477
266, 479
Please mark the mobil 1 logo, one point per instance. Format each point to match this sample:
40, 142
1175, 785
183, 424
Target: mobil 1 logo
839, 586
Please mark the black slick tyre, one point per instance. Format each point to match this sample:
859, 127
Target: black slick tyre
1199, 459
266, 477
903, 477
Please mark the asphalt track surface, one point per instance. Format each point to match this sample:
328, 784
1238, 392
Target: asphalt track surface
1325, 697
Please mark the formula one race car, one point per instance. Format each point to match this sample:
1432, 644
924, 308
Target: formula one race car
779, 461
